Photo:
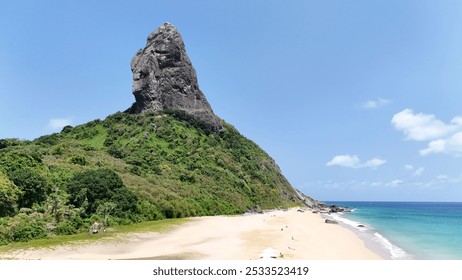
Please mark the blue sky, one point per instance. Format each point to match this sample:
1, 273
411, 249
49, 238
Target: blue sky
355, 100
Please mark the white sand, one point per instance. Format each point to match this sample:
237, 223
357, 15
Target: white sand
292, 234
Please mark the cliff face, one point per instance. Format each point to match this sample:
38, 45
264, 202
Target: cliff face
164, 78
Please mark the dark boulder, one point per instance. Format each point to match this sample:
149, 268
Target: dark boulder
338, 209
328, 221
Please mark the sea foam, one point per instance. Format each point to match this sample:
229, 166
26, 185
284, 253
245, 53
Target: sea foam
367, 232
354, 224
396, 252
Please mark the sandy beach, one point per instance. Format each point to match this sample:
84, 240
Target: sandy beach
292, 235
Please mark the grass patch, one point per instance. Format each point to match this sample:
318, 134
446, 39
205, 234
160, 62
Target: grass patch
113, 233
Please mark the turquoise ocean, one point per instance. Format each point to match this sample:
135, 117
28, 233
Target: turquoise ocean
407, 230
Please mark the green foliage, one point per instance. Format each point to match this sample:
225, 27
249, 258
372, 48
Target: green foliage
19, 158
129, 168
33, 186
27, 230
67, 129
192, 120
49, 140
105, 209
115, 152
94, 188
65, 228
58, 150
6, 235
9, 196
4, 143
78, 159
148, 211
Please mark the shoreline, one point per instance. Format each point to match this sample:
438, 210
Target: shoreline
291, 235
372, 239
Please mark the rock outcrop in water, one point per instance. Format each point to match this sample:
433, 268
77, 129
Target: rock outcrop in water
164, 78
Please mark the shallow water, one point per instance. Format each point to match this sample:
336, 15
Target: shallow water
418, 230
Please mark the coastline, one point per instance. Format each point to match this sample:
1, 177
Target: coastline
371, 238
291, 235
408, 230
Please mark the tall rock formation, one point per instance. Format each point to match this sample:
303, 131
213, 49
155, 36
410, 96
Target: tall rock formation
164, 78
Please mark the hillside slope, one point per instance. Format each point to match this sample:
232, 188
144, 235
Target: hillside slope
167, 156
173, 163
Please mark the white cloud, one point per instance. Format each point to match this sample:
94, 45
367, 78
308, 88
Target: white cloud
436, 146
443, 137
58, 124
452, 145
457, 120
409, 167
352, 161
442, 177
374, 104
345, 161
374, 163
422, 127
395, 183
415, 171
440, 181
419, 171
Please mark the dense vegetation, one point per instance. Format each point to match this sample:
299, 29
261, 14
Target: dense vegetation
131, 168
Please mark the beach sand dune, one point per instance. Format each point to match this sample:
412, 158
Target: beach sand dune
290, 234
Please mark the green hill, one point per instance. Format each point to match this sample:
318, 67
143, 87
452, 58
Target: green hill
129, 168
168, 156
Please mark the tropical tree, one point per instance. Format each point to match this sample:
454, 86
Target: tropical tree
9, 196
92, 189
33, 186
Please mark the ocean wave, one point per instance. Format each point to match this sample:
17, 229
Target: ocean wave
395, 251
358, 226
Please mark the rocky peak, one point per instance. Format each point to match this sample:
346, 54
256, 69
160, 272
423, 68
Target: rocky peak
164, 78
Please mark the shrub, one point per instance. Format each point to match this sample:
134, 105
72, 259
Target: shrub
33, 186
148, 211
9, 196
67, 129
49, 140
65, 228
93, 188
117, 153
10, 162
194, 121
6, 236
28, 230
57, 150
126, 201
9, 142
78, 159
